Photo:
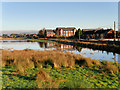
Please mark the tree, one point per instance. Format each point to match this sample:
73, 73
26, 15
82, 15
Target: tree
78, 33
14, 35
4, 35
41, 33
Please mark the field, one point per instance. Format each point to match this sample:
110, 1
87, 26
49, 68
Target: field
56, 69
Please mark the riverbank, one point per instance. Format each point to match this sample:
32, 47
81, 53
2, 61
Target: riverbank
56, 69
12, 39
39, 40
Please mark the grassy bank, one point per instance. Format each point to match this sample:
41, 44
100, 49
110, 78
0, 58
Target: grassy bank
12, 39
39, 40
56, 69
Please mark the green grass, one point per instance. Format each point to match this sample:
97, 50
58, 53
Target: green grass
84, 78
39, 40
76, 77
12, 79
41, 69
13, 39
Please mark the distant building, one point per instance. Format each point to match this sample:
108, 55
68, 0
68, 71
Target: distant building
31, 36
89, 33
59, 31
65, 31
98, 33
107, 33
49, 33
117, 34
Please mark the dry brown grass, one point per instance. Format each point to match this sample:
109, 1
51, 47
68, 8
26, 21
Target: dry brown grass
42, 77
110, 67
28, 58
96, 62
83, 61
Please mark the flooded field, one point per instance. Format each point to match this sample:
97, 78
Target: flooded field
86, 52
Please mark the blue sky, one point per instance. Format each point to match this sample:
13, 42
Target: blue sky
38, 15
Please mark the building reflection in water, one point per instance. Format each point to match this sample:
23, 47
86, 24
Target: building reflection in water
59, 46
41, 44
107, 52
78, 48
56, 46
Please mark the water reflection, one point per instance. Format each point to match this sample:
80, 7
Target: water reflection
86, 52
59, 46
114, 57
94, 54
41, 44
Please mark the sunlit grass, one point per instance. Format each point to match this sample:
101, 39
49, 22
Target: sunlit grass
56, 69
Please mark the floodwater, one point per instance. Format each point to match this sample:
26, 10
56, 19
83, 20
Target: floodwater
86, 52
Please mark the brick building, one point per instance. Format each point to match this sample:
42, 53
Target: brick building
65, 31
49, 33
98, 33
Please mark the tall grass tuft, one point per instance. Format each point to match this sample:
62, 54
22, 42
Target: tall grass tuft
29, 58
42, 77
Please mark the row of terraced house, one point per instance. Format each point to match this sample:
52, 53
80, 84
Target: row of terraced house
60, 31
86, 33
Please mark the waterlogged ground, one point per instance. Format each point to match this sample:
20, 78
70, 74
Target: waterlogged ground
76, 77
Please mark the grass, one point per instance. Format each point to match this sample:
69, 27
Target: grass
47, 77
39, 40
12, 39
12, 79
56, 69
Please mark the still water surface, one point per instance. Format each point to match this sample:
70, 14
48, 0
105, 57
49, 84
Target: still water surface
86, 52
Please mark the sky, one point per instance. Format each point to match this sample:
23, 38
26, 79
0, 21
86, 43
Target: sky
38, 15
